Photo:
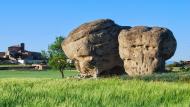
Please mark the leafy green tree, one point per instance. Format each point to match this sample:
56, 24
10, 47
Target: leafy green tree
57, 58
45, 56
58, 62
55, 49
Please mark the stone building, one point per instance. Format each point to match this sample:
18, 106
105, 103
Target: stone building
2, 55
19, 54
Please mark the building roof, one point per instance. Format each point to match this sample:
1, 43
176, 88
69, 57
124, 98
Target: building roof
14, 46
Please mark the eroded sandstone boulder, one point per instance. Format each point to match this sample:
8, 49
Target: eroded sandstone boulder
94, 48
145, 49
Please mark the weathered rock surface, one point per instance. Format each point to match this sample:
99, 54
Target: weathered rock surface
94, 48
145, 49
142, 50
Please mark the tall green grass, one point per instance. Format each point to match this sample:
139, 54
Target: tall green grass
35, 74
109, 92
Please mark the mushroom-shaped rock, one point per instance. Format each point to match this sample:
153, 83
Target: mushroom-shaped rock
94, 48
145, 49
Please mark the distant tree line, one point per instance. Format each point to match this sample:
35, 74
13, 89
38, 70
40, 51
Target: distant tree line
178, 64
182, 65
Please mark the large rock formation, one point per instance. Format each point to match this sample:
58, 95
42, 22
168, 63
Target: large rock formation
142, 50
145, 49
94, 48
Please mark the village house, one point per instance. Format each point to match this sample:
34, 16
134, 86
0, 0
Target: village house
18, 54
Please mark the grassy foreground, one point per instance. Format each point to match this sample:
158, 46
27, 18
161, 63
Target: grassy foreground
35, 74
109, 92
46, 89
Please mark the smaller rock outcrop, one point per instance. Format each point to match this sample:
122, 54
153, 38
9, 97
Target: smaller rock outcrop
145, 49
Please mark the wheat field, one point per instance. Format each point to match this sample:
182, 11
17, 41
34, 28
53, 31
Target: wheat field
102, 92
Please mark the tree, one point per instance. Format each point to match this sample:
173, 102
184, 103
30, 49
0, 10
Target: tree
57, 58
59, 63
45, 56
55, 49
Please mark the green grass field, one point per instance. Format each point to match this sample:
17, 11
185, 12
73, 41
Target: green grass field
35, 74
47, 89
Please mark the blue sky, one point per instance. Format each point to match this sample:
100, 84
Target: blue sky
38, 22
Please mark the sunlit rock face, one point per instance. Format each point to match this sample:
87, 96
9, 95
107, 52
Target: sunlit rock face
144, 50
94, 48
